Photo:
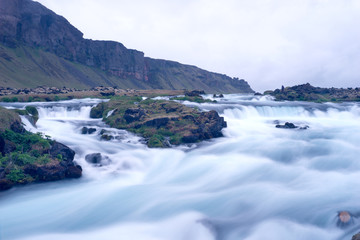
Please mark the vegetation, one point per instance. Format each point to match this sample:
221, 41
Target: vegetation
160, 122
27, 157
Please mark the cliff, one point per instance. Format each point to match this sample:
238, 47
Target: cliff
48, 49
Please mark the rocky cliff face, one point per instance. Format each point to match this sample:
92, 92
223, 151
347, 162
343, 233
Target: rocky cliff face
28, 23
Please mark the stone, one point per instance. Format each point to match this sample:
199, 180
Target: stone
287, 125
86, 130
59, 148
133, 114
94, 158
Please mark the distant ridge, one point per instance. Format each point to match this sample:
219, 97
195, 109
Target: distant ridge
39, 47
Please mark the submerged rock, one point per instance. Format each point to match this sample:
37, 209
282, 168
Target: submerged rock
86, 130
97, 159
289, 125
286, 125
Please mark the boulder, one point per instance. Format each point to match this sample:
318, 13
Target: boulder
94, 158
59, 148
134, 114
97, 159
287, 125
86, 130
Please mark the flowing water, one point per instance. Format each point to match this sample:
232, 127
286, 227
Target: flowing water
257, 182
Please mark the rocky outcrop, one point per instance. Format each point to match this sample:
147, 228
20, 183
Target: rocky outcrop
306, 92
209, 125
28, 23
27, 157
161, 123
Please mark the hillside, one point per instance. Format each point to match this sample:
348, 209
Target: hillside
38, 47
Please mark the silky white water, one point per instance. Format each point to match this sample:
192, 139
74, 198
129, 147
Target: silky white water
257, 182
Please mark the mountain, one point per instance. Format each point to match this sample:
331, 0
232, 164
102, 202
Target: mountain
39, 47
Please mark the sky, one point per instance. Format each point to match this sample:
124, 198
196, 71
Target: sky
268, 43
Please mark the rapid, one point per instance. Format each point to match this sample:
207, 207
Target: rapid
257, 182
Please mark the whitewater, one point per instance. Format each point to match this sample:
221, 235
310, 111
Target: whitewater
257, 182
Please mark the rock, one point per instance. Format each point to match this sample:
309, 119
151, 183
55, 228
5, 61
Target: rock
86, 130
73, 171
106, 137
218, 96
97, 159
356, 237
194, 93
59, 148
157, 122
94, 158
287, 125
133, 114
257, 94
5, 184
209, 125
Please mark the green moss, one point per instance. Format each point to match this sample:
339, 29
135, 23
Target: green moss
156, 141
16, 175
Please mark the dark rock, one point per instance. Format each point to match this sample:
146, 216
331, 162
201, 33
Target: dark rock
286, 125
97, 159
93, 158
218, 96
133, 114
73, 171
157, 122
106, 137
86, 130
356, 237
194, 93
5, 184
257, 94
97, 112
209, 125
59, 148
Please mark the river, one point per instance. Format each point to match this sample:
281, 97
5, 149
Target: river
257, 182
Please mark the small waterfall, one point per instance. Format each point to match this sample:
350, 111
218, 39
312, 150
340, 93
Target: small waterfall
65, 112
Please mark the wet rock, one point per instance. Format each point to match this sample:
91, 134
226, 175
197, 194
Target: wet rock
106, 137
287, 125
94, 158
209, 125
59, 148
257, 94
218, 96
73, 171
97, 159
356, 237
5, 184
86, 130
134, 114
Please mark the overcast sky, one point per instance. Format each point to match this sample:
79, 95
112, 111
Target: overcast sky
268, 43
